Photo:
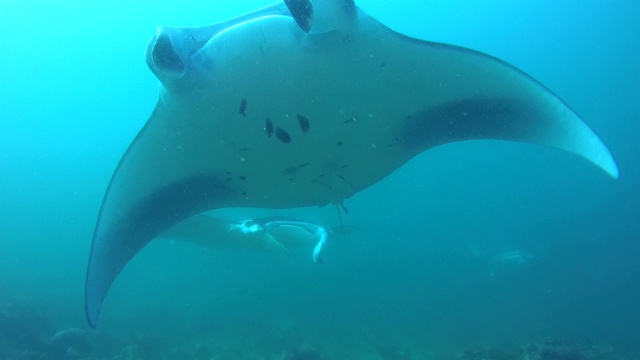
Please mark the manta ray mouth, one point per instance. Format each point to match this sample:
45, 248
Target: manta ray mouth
163, 58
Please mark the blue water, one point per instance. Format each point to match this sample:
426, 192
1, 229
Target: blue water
490, 244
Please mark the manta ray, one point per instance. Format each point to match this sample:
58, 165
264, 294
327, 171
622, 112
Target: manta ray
305, 103
276, 234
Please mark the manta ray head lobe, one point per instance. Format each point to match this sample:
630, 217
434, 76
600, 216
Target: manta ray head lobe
302, 13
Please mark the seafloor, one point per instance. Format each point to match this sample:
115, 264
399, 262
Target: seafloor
28, 335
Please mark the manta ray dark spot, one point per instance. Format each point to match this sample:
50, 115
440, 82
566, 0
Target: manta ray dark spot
242, 177
339, 143
350, 120
314, 180
300, 166
244, 193
268, 127
383, 64
344, 167
243, 149
243, 107
304, 123
290, 170
165, 57
228, 172
282, 135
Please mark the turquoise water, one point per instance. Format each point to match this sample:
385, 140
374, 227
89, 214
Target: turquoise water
480, 244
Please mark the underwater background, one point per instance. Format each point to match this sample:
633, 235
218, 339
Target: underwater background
472, 250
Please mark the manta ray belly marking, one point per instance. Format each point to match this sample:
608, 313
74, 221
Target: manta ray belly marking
304, 123
283, 135
294, 169
268, 127
229, 178
243, 107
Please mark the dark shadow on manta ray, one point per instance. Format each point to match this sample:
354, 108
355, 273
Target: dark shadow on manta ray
277, 111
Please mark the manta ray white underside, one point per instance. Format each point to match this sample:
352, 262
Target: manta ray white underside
306, 102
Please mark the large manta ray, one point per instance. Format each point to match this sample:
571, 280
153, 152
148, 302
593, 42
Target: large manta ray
301, 103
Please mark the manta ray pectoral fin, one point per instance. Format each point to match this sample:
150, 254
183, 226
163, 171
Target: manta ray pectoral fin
482, 97
510, 119
153, 188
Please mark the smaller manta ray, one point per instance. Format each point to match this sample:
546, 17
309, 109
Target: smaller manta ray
278, 234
